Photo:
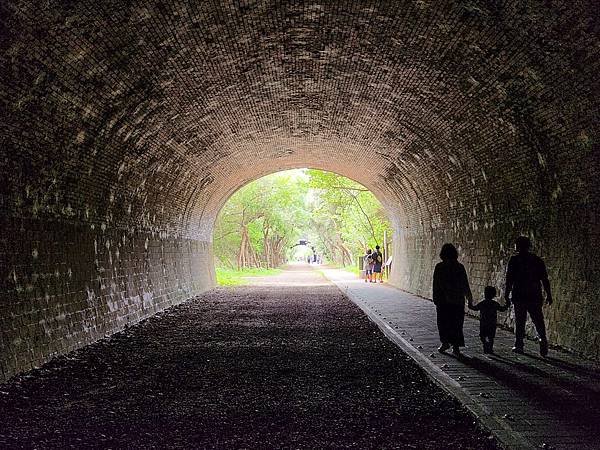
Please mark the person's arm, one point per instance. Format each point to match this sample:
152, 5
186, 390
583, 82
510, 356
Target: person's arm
546, 283
472, 306
466, 287
503, 307
509, 280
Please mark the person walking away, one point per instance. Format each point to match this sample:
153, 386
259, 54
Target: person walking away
488, 316
525, 275
450, 288
377, 265
368, 265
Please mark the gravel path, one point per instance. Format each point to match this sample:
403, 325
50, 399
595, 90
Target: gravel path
249, 367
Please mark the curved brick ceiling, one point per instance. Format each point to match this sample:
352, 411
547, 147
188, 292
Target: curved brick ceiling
471, 120
170, 104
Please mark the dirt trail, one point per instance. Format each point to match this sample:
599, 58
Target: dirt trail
272, 366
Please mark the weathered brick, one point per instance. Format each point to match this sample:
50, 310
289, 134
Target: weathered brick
125, 126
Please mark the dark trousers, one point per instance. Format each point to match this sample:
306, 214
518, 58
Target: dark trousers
450, 319
537, 317
487, 333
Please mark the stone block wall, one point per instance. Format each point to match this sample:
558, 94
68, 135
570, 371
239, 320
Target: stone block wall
567, 242
65, 285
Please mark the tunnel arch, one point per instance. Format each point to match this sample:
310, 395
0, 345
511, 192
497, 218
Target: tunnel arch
124, 124
214, 205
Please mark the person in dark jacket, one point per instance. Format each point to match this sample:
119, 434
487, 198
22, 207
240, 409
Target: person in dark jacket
450, 288
377, 264
525, 275
488, 315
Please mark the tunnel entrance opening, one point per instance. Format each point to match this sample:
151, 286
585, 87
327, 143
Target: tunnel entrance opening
297, 216
125, 129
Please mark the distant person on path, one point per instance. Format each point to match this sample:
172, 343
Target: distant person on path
377, 265
368, 265
450, 288
488, 316
525, 276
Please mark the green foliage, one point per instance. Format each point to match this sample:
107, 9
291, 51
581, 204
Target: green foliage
351, 269
264, 219
348, 216
231, 277
258, 223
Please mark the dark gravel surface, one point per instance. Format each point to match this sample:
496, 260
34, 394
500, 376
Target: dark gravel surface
249, 367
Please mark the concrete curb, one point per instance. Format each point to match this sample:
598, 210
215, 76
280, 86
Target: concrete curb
509, 438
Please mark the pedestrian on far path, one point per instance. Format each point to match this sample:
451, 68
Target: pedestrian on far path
377, 265
488, 316
450, 288
525, 275
368, 265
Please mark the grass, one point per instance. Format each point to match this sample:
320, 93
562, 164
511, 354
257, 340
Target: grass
352, 269
234, 277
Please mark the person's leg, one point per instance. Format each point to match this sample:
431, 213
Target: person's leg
442, 324
537, 317
491, 338
520, 319
484, 343
457, 338
490, 346
484, 333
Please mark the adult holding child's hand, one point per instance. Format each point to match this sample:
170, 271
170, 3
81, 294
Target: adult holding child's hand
450, 288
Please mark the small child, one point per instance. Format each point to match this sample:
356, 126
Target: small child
488, 309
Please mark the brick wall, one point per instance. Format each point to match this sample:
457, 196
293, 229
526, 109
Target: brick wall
567, 240
65, 285
472, 121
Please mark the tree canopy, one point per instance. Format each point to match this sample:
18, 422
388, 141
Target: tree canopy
261, 223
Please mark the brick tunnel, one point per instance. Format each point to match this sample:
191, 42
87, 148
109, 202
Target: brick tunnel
127, 125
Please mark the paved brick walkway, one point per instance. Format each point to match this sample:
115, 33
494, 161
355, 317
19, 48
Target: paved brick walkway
526, 400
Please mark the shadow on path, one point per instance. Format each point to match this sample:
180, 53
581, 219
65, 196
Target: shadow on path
564, 398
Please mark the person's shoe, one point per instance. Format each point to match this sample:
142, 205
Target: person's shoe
366, 281
543, 347
518, 350
456, 350
442, 348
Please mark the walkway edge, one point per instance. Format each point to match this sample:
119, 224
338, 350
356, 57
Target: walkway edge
509, 438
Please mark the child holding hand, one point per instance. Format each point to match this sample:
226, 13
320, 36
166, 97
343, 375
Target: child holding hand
488, 309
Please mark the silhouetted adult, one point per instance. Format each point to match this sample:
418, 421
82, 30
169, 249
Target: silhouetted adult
525, 276
450, 288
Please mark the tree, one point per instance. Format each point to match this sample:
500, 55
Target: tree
261, 221
355, 217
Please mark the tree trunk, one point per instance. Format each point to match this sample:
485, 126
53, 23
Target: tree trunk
266, 245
